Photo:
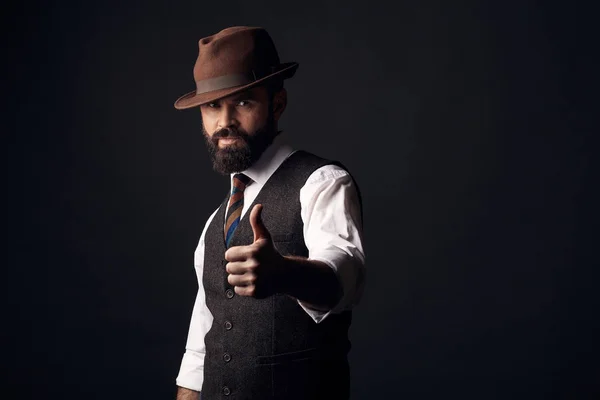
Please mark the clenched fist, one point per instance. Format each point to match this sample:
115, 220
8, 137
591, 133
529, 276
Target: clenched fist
254, 270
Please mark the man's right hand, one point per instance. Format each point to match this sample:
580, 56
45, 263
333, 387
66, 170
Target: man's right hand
187, 394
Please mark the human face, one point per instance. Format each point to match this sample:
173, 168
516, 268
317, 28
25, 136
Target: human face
238, 129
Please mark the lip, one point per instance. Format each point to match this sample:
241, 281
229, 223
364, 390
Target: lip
228, 140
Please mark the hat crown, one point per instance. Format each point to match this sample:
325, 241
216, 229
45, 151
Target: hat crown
235, 50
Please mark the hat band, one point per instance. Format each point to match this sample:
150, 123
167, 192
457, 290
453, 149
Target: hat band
222, 82
228, 81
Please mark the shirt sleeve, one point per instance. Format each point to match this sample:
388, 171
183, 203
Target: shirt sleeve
191, 372
331, 214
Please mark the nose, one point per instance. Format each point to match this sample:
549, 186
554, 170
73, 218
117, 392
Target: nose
227, 117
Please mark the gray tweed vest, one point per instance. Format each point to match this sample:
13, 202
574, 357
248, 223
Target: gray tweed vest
270, 348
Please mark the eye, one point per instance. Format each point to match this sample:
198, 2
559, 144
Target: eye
243, 103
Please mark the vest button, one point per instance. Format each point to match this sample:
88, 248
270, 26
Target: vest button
229, 293
228, 325
226, 357
226, 391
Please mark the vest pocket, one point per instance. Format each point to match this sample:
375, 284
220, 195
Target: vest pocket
284, 243
282, 237
285, 358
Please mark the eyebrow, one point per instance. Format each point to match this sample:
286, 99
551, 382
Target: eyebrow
245, 95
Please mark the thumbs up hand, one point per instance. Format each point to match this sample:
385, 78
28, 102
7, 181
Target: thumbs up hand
258, 227
254, 269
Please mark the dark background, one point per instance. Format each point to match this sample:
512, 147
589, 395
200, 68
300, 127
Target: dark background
468, 126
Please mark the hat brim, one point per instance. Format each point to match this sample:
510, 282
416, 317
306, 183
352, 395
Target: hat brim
192, 99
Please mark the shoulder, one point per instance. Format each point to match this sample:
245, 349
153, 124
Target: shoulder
328, 172
304, 160
301, 160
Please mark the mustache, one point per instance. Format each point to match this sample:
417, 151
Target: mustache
229, 133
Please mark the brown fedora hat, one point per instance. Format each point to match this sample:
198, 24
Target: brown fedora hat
231, 61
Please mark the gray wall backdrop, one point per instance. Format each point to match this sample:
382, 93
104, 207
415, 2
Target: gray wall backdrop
467, 125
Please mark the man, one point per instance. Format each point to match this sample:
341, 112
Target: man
280, 263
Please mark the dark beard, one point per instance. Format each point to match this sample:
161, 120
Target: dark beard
237, 158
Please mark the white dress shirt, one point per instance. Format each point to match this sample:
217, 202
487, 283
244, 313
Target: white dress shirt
332, 233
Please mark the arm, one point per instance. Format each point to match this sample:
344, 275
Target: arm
331, 279
187, 394
191, 372
332, 217
312, 282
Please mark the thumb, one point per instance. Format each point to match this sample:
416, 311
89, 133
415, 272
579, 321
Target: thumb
258, 227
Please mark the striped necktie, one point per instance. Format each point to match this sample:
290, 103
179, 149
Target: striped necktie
236, 203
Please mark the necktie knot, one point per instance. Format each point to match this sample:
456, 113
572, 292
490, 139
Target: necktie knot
240, 181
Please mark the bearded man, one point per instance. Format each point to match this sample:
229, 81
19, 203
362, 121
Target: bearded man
280, 263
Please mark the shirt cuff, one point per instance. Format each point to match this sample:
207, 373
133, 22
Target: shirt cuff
191, 373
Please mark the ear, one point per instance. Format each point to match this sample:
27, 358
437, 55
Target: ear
279, 103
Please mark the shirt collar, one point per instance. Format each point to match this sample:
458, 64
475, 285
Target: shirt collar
269, 161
